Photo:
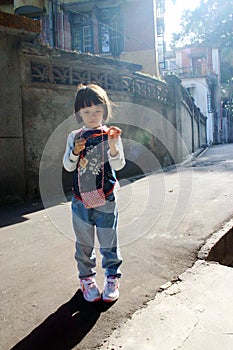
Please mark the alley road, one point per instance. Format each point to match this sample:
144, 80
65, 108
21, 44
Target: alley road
164, 220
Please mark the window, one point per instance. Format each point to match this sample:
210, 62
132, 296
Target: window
110, 30
87, 39
160, 4
197, 66
82, 33
76, 38
161, 53
104, 38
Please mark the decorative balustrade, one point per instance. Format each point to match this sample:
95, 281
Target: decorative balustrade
138, 84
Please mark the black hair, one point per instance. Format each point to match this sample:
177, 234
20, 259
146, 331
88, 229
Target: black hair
92, 94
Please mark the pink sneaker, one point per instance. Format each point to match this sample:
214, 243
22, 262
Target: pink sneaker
90, 289
111, 289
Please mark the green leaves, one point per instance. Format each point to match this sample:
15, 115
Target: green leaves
211, 22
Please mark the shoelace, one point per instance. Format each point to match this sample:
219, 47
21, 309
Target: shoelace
89, 284
112, 285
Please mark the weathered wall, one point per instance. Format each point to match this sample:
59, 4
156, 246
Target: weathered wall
11, 131
38, 93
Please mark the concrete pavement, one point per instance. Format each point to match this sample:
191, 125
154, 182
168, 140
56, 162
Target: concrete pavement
195, 311
192, 313
164, 220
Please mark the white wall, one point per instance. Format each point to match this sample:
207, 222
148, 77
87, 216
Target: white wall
216, 61
199, 91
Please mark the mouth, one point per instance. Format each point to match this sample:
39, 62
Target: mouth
94, 121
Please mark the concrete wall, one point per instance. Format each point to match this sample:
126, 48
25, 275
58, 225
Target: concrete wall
139, 35
38, 87
199, 91
11, 131
146, 57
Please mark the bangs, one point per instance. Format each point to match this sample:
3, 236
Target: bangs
86, 98
89, 100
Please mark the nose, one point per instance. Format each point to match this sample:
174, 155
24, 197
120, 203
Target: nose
93, 113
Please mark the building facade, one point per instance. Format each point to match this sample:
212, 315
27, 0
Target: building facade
128, 30
199, 69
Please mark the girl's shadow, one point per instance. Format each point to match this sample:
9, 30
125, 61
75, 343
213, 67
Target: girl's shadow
66, 327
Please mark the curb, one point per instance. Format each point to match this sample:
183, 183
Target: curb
214, 239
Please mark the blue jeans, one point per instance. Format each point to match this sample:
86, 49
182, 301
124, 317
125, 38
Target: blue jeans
102, 220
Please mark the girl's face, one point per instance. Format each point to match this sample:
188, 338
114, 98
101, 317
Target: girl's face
92, 116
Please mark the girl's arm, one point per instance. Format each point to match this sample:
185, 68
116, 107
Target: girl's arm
116, 156
70, 160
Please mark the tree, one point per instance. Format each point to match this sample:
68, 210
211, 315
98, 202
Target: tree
210, 22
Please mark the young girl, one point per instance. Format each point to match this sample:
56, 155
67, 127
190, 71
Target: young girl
94, 152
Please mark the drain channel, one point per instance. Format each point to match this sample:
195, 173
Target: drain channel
222, 251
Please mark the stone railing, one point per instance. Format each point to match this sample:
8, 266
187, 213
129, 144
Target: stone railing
138, 84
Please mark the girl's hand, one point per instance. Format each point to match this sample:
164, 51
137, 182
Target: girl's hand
79, 146
113, 135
